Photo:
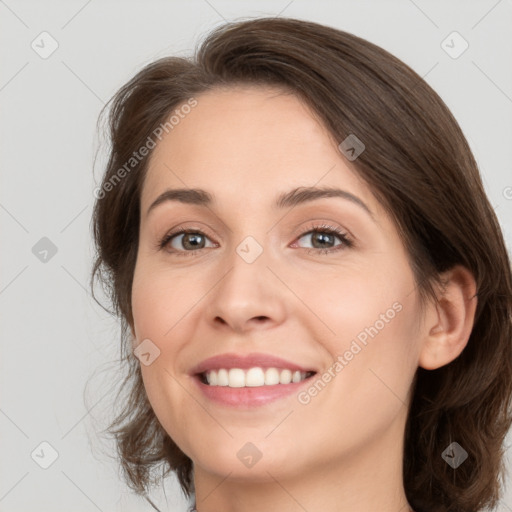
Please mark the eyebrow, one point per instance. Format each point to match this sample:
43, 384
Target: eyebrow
294, 197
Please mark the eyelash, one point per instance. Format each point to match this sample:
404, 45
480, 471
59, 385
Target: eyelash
323, 228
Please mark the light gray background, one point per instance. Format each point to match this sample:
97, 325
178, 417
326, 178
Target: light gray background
54, 337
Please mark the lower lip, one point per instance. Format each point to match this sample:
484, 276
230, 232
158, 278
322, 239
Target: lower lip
249, 396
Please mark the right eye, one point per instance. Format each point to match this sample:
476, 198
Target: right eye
190, 241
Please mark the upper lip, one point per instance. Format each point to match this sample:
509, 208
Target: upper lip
231, 360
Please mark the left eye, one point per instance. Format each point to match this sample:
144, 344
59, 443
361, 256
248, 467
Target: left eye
324, 239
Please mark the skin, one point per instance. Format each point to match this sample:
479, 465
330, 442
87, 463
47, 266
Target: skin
343, 450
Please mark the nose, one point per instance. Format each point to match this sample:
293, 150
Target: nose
248, 296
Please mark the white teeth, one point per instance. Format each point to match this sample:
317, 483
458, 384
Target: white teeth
271, 377
222, 378
285, 377
236, 378
253, 377
213, 379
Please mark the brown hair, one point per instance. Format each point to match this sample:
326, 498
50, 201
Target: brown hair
418, 164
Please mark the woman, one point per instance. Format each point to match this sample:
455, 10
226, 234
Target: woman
314, 291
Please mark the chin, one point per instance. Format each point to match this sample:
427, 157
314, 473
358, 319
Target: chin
249, 459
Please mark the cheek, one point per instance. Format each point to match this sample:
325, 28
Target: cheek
353, 302
372, 319
170, 404
160, 302
162, 308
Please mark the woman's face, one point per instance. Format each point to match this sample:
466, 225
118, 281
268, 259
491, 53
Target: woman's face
259, 278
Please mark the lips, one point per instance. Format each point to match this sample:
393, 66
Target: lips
244, 362
236, 381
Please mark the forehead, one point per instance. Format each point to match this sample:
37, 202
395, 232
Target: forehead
250, 143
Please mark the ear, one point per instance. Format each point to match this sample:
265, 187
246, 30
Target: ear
449, 322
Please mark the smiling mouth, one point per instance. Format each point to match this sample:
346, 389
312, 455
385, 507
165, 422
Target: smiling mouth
252, 377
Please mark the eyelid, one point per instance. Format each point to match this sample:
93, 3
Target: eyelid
319, 224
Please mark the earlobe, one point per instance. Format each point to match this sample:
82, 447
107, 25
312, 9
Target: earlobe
450, 321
